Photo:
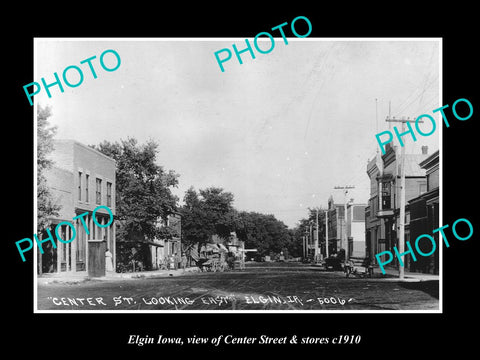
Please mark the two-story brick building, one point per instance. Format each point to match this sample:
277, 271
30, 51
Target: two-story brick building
424, 213
80, 180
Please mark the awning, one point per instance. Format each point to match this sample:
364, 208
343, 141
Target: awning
152, 243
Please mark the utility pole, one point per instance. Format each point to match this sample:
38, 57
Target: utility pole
303, 243
316, 239
344, 237
310, 236
401, 223
326, 231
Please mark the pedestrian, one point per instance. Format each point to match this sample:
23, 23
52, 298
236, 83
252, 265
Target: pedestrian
108, 260
178, 261
231, 261
184, 261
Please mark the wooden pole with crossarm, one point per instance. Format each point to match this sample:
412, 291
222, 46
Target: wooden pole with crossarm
401, 237
345, 238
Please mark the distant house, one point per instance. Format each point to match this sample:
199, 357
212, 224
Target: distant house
232, 243
80, 179
162, 249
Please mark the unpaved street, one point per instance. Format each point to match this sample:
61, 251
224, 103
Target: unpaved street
262, 286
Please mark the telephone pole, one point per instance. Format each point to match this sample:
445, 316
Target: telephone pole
401, 222
316, 239
304, 246
344, 237
326, 231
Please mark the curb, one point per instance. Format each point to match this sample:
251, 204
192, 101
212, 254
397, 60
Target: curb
75, 279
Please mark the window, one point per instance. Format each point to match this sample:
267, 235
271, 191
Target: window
86, 187
80, 185
98, 192
358, 213
109, 194
386, 198
423, 188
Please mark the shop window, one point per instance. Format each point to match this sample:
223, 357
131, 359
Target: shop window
98, 191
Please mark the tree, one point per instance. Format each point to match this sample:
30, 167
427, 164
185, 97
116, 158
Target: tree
217, 205
305, 225
294, 244
206, 213
46, 206
143, 196
263, 232
194, 220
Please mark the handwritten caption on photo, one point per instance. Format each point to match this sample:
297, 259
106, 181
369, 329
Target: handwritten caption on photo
243, 340
184, 302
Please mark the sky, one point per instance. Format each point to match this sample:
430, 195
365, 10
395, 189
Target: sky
279, 131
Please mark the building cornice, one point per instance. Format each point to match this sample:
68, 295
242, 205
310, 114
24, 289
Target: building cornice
430, 161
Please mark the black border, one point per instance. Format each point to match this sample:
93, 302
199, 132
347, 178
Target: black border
382, 334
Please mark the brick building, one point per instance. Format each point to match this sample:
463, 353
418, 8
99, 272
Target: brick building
382, 212
80, 180
354, 228
424, 216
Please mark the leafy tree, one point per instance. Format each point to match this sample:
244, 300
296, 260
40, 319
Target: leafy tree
263, 232
303, 227
219, 211
143, 196
205, 213
294, 244
46, 207
194, 219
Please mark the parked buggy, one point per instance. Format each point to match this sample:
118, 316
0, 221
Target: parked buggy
214, 265
358, 266
335, 261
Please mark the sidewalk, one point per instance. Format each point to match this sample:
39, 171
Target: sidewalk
81, 276
392, 275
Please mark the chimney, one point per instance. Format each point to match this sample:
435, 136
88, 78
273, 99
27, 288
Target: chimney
424, 150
